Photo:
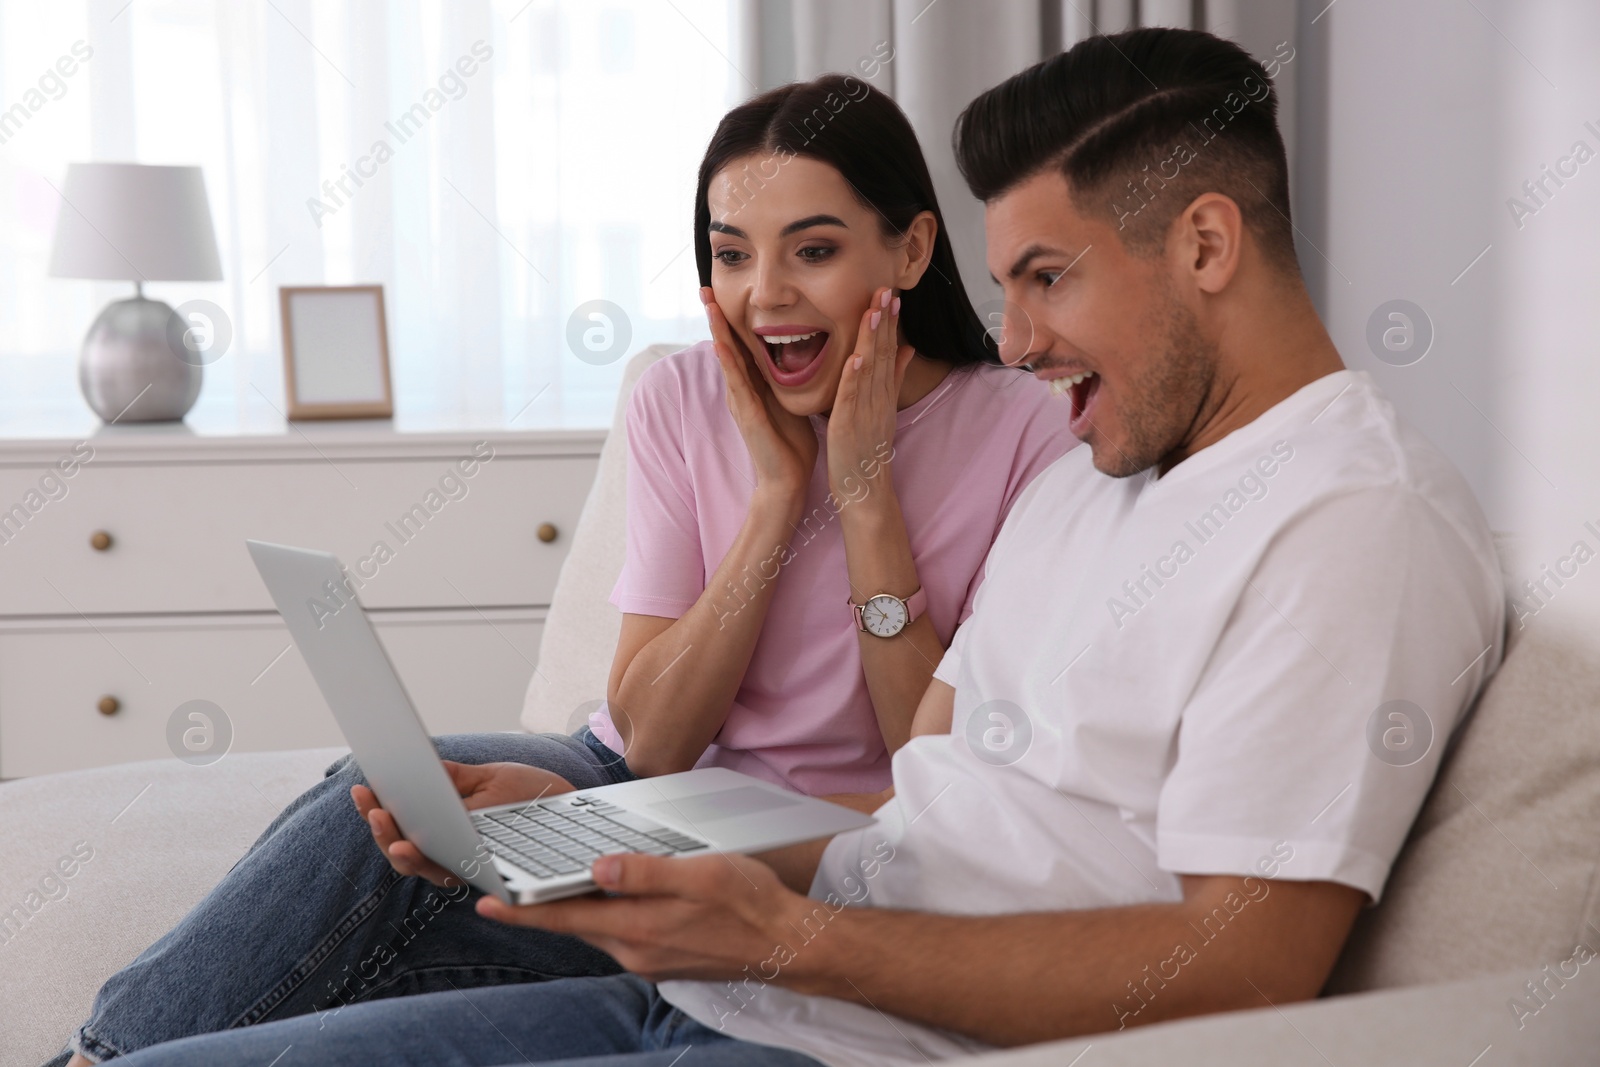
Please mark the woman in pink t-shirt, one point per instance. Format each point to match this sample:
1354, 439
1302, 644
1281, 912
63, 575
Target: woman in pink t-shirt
812, 493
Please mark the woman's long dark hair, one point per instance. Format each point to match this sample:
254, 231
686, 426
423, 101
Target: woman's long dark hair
842, 121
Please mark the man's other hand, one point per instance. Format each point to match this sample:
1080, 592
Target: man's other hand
704, 917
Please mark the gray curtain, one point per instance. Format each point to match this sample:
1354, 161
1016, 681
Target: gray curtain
934, 57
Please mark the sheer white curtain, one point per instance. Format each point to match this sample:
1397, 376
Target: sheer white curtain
495, 165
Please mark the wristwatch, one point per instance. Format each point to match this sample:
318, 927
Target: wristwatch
885, 614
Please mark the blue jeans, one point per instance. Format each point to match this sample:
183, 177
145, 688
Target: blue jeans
619, 1021
313, 919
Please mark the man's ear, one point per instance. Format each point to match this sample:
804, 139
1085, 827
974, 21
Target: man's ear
916, 250
1207, 241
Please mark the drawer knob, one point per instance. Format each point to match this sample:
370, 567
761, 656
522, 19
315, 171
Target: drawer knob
547, 532
109, 705
100, 541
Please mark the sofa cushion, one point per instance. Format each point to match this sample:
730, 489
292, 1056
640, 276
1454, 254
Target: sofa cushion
157, 836
1500, 869
1460, 1024
580, 633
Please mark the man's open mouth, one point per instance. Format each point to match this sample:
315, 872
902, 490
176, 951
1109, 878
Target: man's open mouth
793, 356
1081, 389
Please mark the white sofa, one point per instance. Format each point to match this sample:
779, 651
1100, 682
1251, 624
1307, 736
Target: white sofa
1498, 886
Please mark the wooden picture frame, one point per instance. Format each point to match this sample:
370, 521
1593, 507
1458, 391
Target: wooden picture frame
335, 352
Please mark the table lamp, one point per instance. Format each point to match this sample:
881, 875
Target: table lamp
130, 222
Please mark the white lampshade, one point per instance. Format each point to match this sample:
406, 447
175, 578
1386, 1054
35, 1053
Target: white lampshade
131, 222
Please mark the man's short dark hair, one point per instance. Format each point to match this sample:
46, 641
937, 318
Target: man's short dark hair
1139, 123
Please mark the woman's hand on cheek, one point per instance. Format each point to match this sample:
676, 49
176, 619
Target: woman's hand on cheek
861, 426
782, 445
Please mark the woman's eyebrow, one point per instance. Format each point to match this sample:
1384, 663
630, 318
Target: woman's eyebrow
813, 220
793, 227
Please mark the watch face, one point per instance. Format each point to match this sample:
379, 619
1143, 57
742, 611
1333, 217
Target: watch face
883, 615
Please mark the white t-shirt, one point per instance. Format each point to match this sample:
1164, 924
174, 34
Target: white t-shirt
1250, 665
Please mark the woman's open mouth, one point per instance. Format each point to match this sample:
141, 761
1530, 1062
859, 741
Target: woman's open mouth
794, 353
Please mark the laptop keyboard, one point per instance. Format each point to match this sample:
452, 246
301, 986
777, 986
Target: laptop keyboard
566, 835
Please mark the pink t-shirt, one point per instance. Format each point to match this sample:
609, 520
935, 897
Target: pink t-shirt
803, 717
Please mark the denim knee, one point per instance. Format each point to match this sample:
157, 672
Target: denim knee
533, 749
458, 748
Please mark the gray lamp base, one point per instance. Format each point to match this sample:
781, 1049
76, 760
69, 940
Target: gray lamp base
128, 371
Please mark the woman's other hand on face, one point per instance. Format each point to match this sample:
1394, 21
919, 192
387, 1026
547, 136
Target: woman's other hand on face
861, 425
782, 445
481, 785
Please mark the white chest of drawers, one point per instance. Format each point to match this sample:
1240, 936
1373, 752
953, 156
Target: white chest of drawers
126, 590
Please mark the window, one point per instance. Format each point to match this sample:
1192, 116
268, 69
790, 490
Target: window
495, 165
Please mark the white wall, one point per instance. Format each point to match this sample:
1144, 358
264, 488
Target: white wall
1408, 198
1432, 115
1546, 352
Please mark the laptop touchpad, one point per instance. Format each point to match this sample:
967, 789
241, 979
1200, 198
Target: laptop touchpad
724, 803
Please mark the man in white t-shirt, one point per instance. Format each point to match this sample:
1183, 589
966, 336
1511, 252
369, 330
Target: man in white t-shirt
1210, 674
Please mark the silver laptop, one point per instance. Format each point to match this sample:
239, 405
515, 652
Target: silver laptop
528, 852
